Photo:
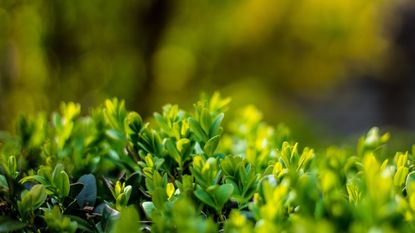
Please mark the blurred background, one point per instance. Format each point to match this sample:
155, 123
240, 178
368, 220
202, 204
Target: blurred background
328, 69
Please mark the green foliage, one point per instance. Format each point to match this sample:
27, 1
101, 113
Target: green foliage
182, 171
8, 224
30, 200
57, 222
128, 222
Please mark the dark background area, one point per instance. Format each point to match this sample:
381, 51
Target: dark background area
328, 69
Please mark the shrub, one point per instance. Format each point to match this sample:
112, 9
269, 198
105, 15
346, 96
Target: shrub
182, 172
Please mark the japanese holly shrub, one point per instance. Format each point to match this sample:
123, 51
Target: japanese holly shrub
183, 171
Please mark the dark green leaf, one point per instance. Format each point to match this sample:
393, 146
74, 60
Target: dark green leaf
8, 224
88, 194
134, 122
83, 225
75, 189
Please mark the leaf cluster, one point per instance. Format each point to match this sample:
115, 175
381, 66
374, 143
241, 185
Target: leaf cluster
185, 171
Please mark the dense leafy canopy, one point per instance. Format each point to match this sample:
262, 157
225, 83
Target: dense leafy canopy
183, 171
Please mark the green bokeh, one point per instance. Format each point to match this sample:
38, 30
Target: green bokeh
259, 52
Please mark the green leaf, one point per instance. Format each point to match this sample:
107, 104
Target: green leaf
61, 181
205, 120
148, 208
129, 221
410, 183
12, 166
159, 197
3, 182
199, 177
134, 122
223, 194
305, 158
183, 145
31, 200
115, 134
215, 128
211, 145
65, 187
204, 197
83, 225
37, 178
353, 192
57, 222
108, 218
286, 153
8, 224
171, 149
236, 191
230, 165
127, 192
399, 178
115, 113
162, 122
197, 130
38, 195
186, 186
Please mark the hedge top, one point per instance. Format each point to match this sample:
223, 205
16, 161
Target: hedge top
182, 172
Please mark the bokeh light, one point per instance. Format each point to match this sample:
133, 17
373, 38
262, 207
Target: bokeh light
321, 66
